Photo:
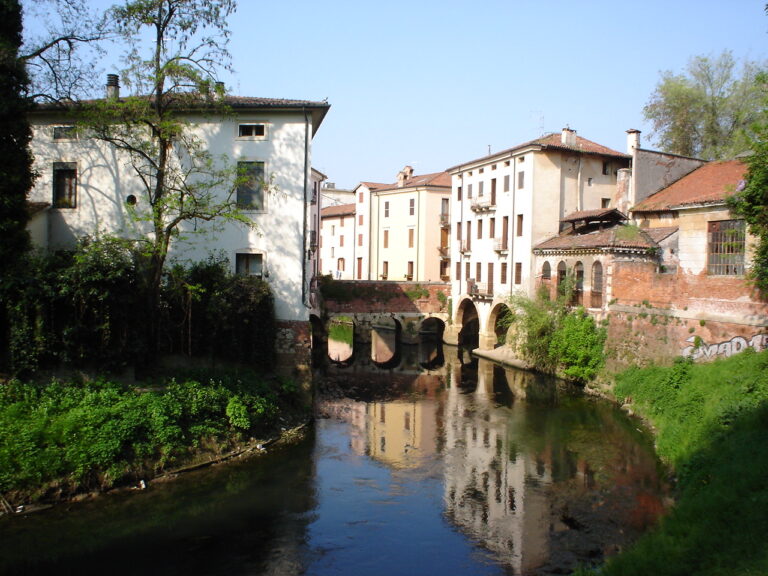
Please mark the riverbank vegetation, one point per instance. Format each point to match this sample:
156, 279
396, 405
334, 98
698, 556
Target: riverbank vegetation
555, 338
62, 438
711, 426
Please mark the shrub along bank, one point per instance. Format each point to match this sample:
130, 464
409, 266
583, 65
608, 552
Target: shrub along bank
59, 439
711, 424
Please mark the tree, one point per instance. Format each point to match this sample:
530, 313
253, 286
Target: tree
61, 42
751, 203
15, 157
707, 111
174, 75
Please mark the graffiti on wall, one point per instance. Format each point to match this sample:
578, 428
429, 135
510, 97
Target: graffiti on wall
701, 350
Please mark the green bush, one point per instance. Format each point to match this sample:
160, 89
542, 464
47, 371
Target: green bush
577, 345
93, 435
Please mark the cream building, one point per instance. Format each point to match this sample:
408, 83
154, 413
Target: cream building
337, 241
93, 190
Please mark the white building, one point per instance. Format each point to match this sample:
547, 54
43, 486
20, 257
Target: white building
337, 241
93, 190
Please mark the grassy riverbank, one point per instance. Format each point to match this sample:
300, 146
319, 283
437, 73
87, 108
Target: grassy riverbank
60, 439
711, 424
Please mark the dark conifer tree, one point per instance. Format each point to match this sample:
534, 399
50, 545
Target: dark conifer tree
15, 156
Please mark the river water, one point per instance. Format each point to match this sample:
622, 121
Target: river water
463, 467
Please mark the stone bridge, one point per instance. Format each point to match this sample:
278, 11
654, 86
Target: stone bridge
413, 308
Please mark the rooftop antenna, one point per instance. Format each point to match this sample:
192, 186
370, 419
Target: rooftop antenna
489, 149
540, 113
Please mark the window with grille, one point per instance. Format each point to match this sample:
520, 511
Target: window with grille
726, 243
65, 184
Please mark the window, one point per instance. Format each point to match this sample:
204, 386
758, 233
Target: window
340, 265
341, 222
469, 190
519, 225
409, 274
597, 285
605, 202
410, 237
492, 228
384, 270
359, 239
250, 192
479, 229
386, 209
481, 170
360, 198
506, 183
469, 235
546, 271
458, 230
458, 193
503, 272
518, 272
458, 270
606, 167
589, 181
386, 238
341, 241
249, 264
333, 230
360, 220
520, 180
411, 207
479, 272
562, 272
726, 240
466, 271
480, 187
65, 184
64, 133
493, 166
251, 130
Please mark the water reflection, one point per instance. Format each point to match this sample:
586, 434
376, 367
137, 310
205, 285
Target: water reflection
539, 477
463, 468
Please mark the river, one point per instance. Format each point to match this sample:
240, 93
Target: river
462, 468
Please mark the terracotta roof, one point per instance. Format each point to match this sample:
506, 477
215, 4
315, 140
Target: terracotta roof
336, 211
375, 185
435, 179
601, 214
554, 141
659, 234
711, 183
616, 237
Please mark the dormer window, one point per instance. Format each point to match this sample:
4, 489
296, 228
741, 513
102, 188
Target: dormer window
253, 131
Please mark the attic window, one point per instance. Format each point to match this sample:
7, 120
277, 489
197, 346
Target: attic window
606, 168
251, 130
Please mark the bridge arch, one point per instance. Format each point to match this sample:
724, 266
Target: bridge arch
498, 323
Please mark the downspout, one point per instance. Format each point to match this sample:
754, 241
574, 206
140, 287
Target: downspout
579, 189
461, 224
304, 291
513, 224
418, 229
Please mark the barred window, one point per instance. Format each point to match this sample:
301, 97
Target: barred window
726, 243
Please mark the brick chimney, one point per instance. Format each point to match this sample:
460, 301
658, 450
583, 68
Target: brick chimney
404, 175
113, 86
568, 137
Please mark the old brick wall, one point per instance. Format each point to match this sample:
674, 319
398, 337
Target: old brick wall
387, 297
655, 317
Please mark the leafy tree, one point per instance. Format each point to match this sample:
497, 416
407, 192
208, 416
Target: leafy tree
751, 203
176, 49
705, 112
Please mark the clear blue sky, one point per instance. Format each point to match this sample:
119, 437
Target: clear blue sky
435, 83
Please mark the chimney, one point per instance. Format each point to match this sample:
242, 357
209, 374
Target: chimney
633, 140
568, 137
403, 175
113, 87
218, 91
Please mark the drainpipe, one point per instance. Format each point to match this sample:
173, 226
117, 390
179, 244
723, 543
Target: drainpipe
304, 291
513, 224
418, 230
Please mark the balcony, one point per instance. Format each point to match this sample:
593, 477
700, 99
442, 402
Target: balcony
445, 220
466, 247
444, 251
480, 290
500, 245
482, 204
313, 239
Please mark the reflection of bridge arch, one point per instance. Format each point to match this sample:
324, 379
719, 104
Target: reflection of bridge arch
468, 324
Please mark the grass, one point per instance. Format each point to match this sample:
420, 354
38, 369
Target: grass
711, 423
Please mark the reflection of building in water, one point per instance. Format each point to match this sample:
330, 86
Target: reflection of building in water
401, 433
383, 345
492, 490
